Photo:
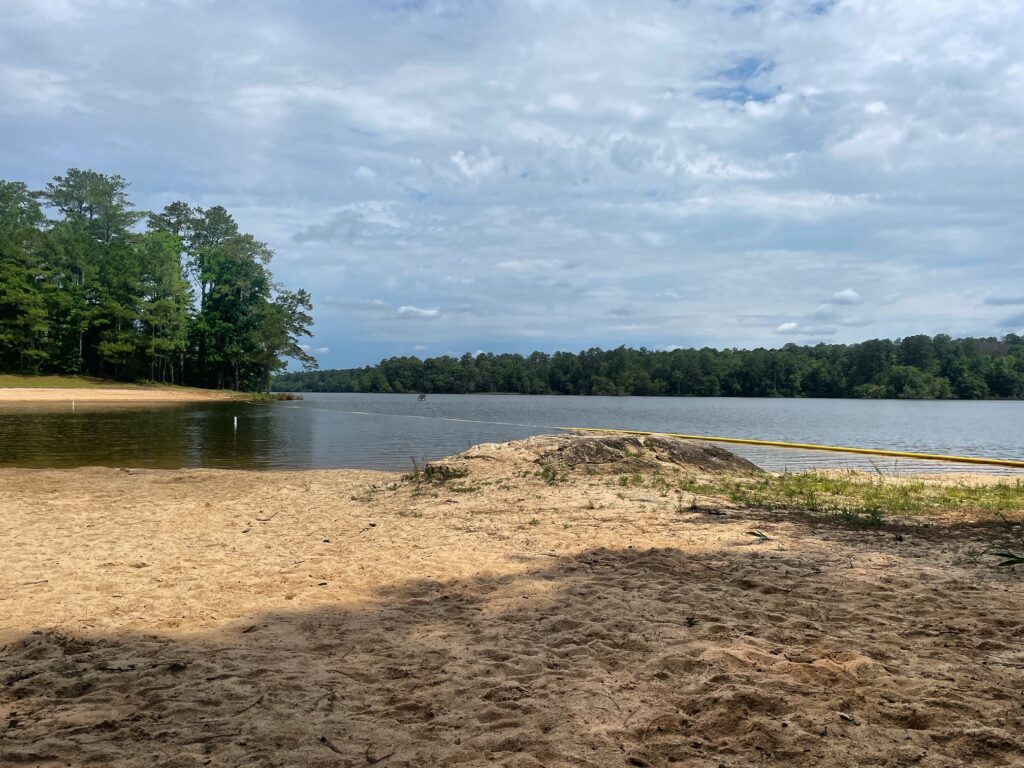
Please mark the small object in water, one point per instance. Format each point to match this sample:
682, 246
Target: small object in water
422, 397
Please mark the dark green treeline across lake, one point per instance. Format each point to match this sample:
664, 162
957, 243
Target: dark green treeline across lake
917, 367
90, 285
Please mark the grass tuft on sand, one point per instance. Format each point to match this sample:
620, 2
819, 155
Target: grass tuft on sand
863, 498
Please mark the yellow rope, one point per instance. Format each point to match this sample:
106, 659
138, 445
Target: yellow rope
813, 447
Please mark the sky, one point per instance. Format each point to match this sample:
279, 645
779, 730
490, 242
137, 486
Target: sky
450, 176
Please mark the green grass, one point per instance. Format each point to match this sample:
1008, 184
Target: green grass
863, 499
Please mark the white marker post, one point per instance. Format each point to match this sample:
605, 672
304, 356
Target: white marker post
236, 423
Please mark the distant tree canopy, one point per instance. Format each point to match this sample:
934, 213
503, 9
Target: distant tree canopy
917, 367
178, 296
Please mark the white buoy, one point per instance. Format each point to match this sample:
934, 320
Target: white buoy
236, 423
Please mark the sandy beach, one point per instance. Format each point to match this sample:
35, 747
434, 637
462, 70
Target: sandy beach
495, 612
107, 394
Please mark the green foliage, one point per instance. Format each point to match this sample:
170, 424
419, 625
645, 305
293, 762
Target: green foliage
190, 300
1008, 558
549, 474
442, 473
918, 367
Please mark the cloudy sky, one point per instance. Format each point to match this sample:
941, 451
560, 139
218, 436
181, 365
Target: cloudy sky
454, 175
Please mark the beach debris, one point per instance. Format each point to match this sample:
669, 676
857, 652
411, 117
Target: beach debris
1008, 556
256, 703
372, 759
330, 745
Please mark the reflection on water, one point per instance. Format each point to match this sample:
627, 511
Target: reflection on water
165, 435
391, 431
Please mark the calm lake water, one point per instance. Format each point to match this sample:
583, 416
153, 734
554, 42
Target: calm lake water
389, 431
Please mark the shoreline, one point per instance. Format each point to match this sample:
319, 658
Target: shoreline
102, 394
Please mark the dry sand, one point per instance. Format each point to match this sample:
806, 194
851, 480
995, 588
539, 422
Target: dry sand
351, 618
106, 395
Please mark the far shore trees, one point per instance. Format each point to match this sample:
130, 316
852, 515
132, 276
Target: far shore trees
917, 367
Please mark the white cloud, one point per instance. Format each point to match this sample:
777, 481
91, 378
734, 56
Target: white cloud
877, 142
530, 265
481, 164
794, 328
411, 311
846, 296
37, 89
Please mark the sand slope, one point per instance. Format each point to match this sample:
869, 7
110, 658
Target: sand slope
346, 618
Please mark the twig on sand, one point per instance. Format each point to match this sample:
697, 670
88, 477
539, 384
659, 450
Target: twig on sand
246, 709
331, 697
267, 519
370, 760
330, 745
32, 583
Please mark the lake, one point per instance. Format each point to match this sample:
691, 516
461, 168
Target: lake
390, 431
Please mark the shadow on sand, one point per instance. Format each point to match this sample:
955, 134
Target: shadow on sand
610, 657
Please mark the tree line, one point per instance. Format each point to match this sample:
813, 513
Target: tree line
916, 367
91, 285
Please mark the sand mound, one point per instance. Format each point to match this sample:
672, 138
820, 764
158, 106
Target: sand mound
592, 454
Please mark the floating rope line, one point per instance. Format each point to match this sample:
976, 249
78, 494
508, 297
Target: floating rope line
1012, 463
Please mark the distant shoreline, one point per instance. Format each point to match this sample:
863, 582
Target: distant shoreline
913, 368
275, 390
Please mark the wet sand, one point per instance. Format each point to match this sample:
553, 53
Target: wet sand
506, 616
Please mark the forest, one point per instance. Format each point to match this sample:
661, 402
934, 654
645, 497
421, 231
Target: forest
90, 285
916, 367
